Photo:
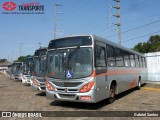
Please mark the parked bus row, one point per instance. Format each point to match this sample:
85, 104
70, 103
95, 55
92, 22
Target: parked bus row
83, 68
30, 68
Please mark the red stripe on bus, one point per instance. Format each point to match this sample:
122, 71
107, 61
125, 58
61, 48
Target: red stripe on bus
133, 83
93, 74
116, 72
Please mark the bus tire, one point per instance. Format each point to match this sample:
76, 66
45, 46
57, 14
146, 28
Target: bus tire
112, 93
139, 85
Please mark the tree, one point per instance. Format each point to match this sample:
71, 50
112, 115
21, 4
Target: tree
21, 58
138, 47
152, 45
154, 39
158, 48
145, 47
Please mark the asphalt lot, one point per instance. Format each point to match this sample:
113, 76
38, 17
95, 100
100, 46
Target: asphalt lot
14, 96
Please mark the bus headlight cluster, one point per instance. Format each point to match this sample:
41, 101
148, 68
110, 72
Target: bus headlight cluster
87, 87
35, 82
49, 86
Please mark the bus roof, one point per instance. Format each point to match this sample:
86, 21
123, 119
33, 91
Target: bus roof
17, 63
115, 45
28, 58
41, 49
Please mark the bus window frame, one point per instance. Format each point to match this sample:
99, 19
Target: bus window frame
116, 48
140, 62
114, 61
128, 54
136, 60
132, 59
100, 69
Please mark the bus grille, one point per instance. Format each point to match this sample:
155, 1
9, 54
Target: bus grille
41, 80
16, 76
67, 96
68, 90
67, 84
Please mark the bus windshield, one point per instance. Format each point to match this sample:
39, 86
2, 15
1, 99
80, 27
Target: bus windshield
70, 63
27, 67
17, 68
40, 66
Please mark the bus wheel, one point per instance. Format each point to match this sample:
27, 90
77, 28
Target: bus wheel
112, 94
139, 85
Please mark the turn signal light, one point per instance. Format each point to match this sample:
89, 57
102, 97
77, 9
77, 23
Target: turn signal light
87, 87
35, 82
49, 86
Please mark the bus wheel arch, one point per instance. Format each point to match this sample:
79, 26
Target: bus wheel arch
112, 91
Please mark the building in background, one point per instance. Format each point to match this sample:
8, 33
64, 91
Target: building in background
153, 64
4, 65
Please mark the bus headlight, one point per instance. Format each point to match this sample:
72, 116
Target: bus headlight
49, 86
35, 82
87, 87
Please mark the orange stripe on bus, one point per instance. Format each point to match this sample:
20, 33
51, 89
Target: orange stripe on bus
116, 72
133, 83
93, 74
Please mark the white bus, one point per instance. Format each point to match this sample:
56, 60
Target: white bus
39, 73
16, 69
27, 70
88, 68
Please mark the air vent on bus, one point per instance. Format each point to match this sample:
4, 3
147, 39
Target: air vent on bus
67, 84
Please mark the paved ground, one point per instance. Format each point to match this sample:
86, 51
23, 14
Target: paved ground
14, 96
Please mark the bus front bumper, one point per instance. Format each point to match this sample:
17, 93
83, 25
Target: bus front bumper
16, 77
88, 97
40, 88
26, 79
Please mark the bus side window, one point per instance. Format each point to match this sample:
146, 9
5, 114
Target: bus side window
126, 59
137, 60
110, 56
140, 61
119, 57
100, 56
132, 60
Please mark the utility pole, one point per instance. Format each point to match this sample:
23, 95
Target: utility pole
55, 18
118, 15
119, 20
